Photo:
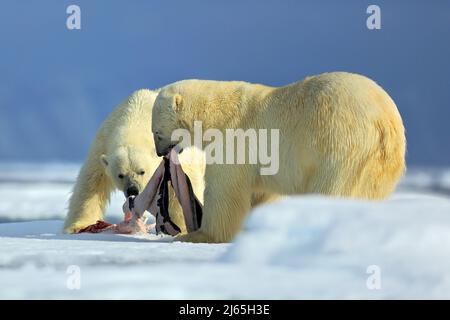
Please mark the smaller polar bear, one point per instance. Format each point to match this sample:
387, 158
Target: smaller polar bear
122, 156
340, 135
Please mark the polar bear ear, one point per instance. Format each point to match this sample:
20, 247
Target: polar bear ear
177, 102
104, 160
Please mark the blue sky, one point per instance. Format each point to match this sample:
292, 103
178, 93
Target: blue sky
57, 85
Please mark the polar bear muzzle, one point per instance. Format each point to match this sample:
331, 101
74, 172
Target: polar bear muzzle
131, 190
164, 150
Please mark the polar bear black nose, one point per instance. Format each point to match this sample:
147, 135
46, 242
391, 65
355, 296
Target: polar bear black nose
132, 191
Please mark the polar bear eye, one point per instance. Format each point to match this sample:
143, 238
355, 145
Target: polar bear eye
142, 172
121, 176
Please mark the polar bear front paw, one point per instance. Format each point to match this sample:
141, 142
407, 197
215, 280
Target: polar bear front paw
196, 237
74, 228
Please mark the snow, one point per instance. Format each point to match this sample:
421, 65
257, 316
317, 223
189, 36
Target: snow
41, 191
298, 248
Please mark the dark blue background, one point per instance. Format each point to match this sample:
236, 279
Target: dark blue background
57, 85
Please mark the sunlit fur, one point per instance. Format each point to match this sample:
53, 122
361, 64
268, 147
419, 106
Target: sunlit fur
340, 135
124, 145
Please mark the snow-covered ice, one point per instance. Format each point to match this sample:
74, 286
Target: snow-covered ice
41, 191
301, 247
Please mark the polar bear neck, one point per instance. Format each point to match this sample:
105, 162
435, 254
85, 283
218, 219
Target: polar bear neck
223, 104
130, 122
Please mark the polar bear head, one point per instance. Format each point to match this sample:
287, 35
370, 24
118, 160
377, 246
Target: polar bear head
165, 121
129, 168
179, 105
171, 111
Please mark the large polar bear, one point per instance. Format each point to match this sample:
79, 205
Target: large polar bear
340, 134
122, 156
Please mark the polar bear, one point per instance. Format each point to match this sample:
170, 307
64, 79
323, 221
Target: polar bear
340, 134
122, 156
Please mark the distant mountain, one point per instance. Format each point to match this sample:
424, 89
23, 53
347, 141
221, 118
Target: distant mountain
57, 85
